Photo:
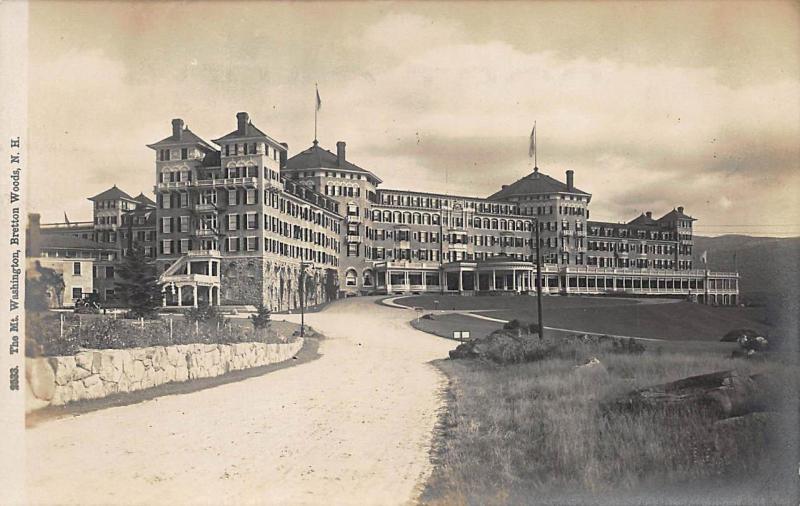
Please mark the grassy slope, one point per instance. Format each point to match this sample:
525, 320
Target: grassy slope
533, 434
673, 321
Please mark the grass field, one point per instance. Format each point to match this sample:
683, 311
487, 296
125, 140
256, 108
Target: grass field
534, 434
654, 318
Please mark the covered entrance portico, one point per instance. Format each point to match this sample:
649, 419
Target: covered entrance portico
193, 280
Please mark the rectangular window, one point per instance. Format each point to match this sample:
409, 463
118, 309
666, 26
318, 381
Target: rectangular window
251, 197
109, 272
166, 225
166, 247
252, 221
252, 243
183, 224
185, 245
233, 244
184, 199
166, 201
233, 221
77, 293
76, 268
184, 153
232, 197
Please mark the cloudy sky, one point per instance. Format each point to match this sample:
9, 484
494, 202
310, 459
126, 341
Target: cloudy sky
652, 105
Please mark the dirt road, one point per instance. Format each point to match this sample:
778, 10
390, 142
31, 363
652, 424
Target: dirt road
353, 427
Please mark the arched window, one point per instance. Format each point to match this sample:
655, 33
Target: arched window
351, 278
367, 277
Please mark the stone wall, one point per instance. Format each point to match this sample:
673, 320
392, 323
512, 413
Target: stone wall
98, 373
275, 283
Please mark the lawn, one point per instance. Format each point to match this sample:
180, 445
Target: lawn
654, 319
534, 433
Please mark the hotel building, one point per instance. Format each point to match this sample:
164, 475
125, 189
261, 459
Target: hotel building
237, 221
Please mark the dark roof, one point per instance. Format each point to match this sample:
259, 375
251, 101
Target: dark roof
144, 199
676, 214
212, 159
112, 193
58, 241
316, 157
643, 219
187, 137
532, 184
250, 130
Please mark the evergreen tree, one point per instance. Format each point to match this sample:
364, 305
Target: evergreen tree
138, 285
261, 319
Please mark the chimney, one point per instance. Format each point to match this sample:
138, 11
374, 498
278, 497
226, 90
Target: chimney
340, 158
177, 129
680, 209
570, 180
649, 214
33, 246
283, 154
242, 119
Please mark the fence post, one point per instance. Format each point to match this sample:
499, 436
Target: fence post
170, 330
61, 326
196, 327
79, 325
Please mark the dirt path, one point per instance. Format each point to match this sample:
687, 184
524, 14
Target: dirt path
353, 427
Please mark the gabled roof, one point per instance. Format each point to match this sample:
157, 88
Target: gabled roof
144, 199
676, 214
187, 137
112, 193
532, 184
643, 219
250, 131
316, 157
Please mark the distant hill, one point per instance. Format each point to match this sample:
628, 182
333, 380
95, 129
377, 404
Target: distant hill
765, 264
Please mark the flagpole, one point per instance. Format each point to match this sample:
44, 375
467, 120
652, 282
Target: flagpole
316, 110
535, 163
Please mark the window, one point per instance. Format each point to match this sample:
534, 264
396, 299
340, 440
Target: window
233, 222
350, 278
185, 245
166, 225
109, 272
166, 201
233, 244
252, 243
232, 197
77, 292
252, 221
184, 153
184, 199
183, 224
251, 197
76, 268
166, 247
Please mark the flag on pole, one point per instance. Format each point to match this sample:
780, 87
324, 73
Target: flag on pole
66, 220
532, 147
319, 101
704, 257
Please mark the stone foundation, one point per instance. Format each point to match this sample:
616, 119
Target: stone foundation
98, 373
274, 283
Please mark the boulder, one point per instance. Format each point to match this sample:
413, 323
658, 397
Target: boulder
41, 378
724, 393
592, 367
85, 359
63, 368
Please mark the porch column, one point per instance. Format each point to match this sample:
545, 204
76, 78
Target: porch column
164, 297
194, 295
494, 280
460, 281
180, 296
388, 281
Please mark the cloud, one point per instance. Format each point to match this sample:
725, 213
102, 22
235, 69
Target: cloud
432, 102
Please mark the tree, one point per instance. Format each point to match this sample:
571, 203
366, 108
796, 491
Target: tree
40, 283
262, 318
138, 285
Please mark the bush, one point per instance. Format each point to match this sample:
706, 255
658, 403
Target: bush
44, 337
512, 325
261, 319
203, 313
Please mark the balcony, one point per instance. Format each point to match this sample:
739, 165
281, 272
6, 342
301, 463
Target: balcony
205, 232
206, 207
173, 185
231, 182
353, 238
353, 219
566, 233
204, 253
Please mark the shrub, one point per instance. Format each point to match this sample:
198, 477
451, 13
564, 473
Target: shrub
261, 319
512, 325
203, 313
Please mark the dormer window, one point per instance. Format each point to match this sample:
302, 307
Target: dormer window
184, 153
227, 150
